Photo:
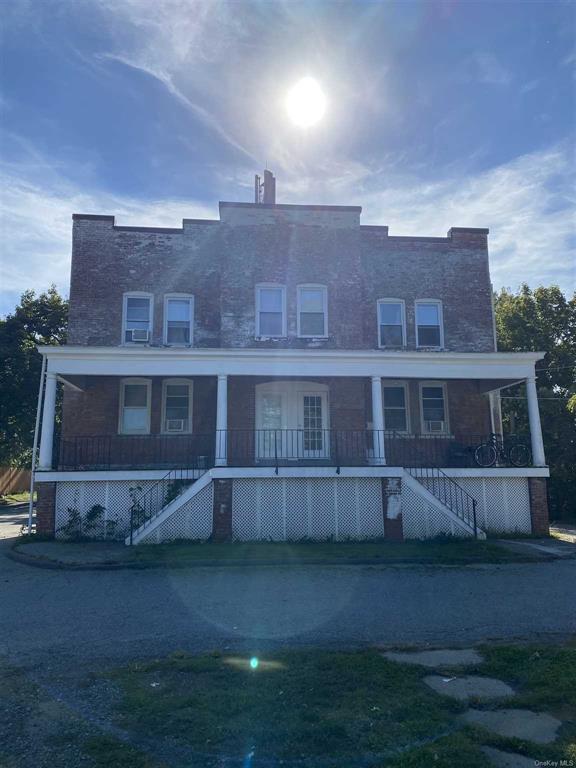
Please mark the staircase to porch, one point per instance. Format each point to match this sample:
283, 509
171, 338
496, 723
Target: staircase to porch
450, 496
440, 491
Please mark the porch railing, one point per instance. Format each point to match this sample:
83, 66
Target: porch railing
285, 447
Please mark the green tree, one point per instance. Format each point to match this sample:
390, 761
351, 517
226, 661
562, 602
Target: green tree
544, 319
36, 320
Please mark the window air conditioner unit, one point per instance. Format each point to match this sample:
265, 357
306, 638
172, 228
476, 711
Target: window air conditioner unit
175, 425
137, 334
435, 426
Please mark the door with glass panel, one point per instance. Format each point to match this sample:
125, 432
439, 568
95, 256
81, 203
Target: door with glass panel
270, 435
291, 421
313, 435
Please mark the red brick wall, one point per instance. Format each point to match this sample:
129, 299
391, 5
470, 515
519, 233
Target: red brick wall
539, 506
220, 264
45, 508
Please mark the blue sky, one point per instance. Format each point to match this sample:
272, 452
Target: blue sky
439, 114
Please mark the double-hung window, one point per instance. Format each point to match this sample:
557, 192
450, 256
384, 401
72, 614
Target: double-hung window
137, 318
391, 323
177, 406
429, 324
312, 310
270, 310
135, 406
178, 319
395, 402
433, 407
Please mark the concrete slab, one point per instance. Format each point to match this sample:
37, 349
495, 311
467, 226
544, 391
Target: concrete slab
449, 657
538, 727
468, 687
502, 759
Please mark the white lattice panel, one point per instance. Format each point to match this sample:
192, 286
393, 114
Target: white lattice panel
271, 504
193, 521
322, 509
371, 520
422, 519
245, 522
307, 508
503, 503
113, 496
347, 509
298, 516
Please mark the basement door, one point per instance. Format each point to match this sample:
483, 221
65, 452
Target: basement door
292, 421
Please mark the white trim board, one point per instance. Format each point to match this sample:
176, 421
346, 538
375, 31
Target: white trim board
178, 362
232, 472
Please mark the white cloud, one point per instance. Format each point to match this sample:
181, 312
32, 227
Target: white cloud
36, 227
526, 204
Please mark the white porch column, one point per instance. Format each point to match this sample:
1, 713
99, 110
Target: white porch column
535, 426
47, 433
378, 420
221, 421
495, 412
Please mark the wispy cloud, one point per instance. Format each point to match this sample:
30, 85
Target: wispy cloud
36, 226
527, 204
489, 70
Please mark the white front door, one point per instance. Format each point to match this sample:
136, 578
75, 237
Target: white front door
292, 421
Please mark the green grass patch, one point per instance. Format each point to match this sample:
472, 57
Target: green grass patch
302, 705
16, 498
107, 752
442, 552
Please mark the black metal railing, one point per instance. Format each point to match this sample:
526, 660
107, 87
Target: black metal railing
289, 447
146, 505
448, 492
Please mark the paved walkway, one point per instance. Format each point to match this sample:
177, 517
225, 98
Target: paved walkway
59, 617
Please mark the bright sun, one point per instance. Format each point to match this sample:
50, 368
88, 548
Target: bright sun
306, 103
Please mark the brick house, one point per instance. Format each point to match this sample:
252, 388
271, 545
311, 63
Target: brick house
283, 372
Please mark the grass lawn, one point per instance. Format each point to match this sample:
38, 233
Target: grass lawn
16, 498
447, 552
305, 708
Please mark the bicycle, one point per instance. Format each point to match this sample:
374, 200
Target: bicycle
495, 450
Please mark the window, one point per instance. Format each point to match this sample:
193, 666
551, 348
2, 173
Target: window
134, 407
433, 407
177, 406
178, 319
395, 401
429, 330
391, 323
312, 310
137, 318
270, 310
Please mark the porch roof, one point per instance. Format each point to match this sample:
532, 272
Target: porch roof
149, 361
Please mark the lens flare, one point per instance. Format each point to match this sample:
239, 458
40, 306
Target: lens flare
306, 103
254, 663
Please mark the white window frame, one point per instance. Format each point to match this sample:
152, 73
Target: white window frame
403, 317
123, 383
265, 286
190, 384
432, 383
315, 286
137, 295
393, 383
180, 296
438, 303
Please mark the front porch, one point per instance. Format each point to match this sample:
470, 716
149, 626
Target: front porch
165, 409
289, 444
286, 448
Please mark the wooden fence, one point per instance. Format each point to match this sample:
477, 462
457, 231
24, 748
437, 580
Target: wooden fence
14, 480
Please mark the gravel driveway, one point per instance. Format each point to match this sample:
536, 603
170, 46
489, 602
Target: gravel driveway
63, 615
